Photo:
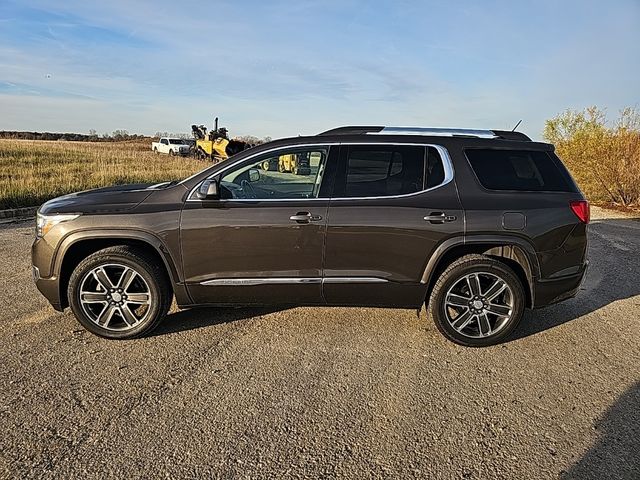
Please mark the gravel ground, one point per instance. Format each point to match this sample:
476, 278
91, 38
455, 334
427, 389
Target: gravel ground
320, 392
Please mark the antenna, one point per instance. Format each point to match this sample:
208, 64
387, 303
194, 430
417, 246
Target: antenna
517, 125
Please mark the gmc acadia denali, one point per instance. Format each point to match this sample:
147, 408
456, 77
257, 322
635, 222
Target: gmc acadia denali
477, 224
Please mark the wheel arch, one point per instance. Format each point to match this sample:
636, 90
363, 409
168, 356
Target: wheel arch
77, 247
516, 252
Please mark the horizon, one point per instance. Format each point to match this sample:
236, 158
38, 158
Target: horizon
285, 70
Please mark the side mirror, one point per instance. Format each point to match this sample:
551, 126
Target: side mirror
208, 190
254, 175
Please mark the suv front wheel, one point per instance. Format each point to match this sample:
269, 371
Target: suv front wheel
477, 301
119, 293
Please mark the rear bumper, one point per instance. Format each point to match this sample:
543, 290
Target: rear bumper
550, 291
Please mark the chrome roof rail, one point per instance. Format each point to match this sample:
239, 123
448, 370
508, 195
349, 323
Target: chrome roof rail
435, 132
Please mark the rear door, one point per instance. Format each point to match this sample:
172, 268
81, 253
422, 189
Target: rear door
262, 241
392, 205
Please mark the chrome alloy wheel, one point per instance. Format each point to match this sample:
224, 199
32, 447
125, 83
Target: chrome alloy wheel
479, 304
115, 297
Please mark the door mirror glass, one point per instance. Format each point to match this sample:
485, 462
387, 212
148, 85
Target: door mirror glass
208, 190
254, 175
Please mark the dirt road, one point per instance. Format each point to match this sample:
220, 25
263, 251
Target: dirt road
308, 392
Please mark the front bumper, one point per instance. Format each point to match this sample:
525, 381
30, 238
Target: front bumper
46, 281
550, 291
50, 288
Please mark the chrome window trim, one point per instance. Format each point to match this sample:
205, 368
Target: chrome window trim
288, 280
444, 155
435, 132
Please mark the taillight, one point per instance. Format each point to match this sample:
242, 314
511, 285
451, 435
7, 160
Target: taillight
581, 209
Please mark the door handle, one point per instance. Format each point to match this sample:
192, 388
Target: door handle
439, 217
305, 217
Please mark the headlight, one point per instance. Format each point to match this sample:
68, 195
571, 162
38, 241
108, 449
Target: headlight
44, 223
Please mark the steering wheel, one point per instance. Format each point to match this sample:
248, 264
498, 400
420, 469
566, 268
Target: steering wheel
248, 190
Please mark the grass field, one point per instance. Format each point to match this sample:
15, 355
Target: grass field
33, 171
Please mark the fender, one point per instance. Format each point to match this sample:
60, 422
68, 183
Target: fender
125, 234
494, 240
172, 267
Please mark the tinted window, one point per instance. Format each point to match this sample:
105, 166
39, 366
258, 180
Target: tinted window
499, 169
294, 174
378, 171
434, 168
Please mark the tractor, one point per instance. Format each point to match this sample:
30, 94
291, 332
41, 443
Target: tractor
215, 145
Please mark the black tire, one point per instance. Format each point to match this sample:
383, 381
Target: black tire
266, 165
455, 273
171, 154
281, 168
155, 150
147, 267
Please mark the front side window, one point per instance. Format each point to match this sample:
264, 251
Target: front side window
176, 141
380, 170
164, 141
293, 174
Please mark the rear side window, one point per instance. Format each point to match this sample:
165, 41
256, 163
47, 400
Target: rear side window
380, 171
387, 170
434, 173
524, 170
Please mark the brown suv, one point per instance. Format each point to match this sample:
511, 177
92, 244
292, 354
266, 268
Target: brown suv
478, 223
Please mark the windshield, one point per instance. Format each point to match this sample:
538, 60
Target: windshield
176, 141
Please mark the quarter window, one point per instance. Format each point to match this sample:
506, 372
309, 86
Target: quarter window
524, 170
293, 174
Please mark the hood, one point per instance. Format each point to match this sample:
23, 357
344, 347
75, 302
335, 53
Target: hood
114, 199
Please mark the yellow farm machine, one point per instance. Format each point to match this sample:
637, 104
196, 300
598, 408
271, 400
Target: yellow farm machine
215, 144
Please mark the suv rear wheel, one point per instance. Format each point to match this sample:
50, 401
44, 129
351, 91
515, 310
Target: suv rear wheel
477, 301
119, 292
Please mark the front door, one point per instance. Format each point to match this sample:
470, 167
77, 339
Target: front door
392, 205
262, 241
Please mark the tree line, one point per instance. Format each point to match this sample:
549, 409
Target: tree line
92, 136
115, 136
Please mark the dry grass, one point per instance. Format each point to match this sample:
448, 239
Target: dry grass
603, 157
33, 171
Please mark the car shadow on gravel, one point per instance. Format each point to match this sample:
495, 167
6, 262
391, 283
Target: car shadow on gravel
616, 454
614, 274
200, 317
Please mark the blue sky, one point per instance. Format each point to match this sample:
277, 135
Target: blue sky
286, 68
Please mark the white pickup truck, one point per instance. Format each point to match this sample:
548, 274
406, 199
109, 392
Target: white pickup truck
172, 146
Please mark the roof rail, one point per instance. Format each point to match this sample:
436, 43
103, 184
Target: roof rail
352, 130
426, 131
437, 132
